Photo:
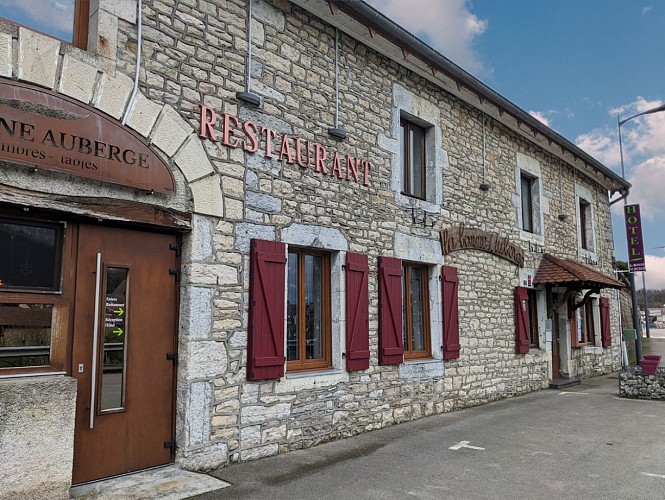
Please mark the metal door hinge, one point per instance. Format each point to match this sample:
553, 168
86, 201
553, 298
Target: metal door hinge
170, 444
172, 356
174, 271
176, 248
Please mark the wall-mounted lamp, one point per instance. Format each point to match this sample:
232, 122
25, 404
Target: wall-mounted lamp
336, 131
248, 96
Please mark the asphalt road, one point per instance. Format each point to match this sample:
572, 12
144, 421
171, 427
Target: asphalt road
582, 443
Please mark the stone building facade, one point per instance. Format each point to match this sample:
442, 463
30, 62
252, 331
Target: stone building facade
254, 178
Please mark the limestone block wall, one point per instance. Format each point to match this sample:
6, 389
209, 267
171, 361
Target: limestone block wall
37, 437
634, 384
195, 53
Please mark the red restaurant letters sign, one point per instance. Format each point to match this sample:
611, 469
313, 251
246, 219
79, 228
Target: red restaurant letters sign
636, 262
251, 138
40, 129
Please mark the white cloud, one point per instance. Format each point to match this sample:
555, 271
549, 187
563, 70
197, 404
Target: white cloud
541, 116
655, 275
602, 144
648, 182
45, 15
446, 25
646, 9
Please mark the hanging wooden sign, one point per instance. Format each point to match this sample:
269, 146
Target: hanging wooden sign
461, 238
43, 130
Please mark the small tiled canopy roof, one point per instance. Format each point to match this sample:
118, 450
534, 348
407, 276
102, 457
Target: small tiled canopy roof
554, 271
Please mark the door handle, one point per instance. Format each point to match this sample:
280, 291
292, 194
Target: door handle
95, 335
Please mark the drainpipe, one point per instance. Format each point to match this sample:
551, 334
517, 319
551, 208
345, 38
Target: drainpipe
139, 25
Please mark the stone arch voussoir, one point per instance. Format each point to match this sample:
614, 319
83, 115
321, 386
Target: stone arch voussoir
81, 77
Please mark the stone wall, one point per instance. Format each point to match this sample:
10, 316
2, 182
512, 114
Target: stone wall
37, 437
634, 384
194, 52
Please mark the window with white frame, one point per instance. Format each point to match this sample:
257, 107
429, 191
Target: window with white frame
585, 222
528, 199
417, 159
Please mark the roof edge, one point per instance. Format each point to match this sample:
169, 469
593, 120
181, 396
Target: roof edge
368, 15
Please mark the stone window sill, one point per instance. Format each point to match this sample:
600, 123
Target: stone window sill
293, 382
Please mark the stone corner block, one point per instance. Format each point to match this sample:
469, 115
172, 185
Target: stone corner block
193, 160
113, 94
5, 55
171, 131
124, 9
37, 58
205, 359
143, 115
77, 79
208, 197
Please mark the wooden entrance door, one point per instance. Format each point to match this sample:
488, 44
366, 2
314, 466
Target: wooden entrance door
124, 330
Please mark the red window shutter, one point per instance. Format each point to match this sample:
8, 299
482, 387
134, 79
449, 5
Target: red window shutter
391, 343
605, 330
522, 340
357, 312
450, 285
265, 343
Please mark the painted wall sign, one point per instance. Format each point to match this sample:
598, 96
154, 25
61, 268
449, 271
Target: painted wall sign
460, 238
283, 148
636, 262
43, 130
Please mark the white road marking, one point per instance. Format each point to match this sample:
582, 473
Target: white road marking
636, 399
534, 453
566, 392
464, 444
662, 476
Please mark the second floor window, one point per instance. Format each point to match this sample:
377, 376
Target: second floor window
66, 20
586, 241
413, 159
526, 186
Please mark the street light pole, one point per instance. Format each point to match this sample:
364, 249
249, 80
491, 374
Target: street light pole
636, 318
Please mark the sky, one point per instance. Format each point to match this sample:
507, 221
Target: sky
53, 17
575, 65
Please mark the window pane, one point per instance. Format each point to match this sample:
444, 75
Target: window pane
115, 339
292, 309
313, 307
405, 325
417, 314
417, 161
585, 210
29, 256
53, 17
25, 335
403, 157
527, 205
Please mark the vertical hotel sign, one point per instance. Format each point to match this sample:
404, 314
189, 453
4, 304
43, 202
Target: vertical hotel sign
636, 261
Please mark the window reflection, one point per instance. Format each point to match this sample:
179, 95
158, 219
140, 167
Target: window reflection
308, 310
25, 335
30, 256
292, 306
115, 339
52, 17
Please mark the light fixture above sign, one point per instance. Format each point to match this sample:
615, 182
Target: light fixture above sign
249, 98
